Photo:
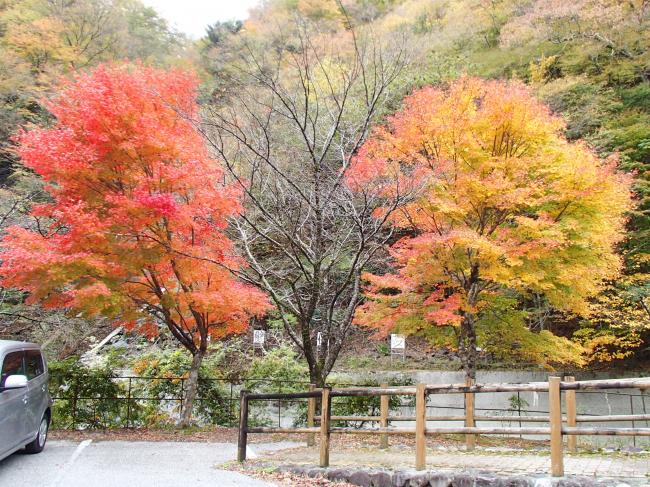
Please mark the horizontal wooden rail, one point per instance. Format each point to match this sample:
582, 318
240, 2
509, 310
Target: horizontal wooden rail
282, 396
446, 431
558, 425
368, 431
606, 431
374, 391
585, 385
263, 429
509, 418
463, 430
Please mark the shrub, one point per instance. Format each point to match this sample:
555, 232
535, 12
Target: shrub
162, 377
85, 396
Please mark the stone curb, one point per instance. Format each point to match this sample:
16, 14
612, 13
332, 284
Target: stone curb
364, 477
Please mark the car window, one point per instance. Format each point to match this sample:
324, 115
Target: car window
33, 364
12, 365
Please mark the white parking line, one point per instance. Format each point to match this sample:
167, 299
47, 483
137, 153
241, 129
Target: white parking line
68, 464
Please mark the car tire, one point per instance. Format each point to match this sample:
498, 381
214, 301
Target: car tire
37, 445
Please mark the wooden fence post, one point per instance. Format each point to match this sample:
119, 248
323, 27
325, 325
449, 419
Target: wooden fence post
383, 419
555, 418
470, 440
420, 426
326, 409
311, 412
243, 426
571, 413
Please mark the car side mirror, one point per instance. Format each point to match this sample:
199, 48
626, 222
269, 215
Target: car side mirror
15, 382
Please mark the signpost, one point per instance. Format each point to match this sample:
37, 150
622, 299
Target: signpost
397, 346
259, 337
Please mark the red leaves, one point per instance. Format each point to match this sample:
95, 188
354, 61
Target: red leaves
446, 309
138, 212
161, 205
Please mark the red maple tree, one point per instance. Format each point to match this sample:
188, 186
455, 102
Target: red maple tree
135, 230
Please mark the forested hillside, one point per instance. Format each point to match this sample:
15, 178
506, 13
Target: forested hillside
289, 98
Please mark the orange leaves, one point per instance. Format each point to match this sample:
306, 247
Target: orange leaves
138, 208
447, 309
507, 204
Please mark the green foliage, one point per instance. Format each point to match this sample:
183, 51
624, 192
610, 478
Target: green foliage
85, 396
503, 332
163, 376
280, 370
517, 403
383, 349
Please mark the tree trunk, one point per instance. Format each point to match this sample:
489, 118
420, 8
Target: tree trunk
316, 374
191, 389
467, 346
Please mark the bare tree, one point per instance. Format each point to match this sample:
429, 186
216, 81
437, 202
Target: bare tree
288, 130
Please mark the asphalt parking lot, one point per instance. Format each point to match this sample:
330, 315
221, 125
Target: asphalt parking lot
137, 464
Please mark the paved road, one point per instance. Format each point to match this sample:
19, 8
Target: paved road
137, 464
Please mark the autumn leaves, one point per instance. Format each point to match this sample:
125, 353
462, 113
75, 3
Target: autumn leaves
509, 208
137, 225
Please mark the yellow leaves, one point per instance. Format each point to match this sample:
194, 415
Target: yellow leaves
39, 40
606, 345
542, 71
508, 207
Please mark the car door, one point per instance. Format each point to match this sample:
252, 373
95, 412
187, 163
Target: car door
36, 390
12, 405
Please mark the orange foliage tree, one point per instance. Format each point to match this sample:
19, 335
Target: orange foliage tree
508, 208
135, 230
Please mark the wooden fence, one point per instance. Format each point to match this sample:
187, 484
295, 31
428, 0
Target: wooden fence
556, 427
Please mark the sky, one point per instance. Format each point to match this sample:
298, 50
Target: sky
192, 16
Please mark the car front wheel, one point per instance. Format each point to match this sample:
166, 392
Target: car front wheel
37, 445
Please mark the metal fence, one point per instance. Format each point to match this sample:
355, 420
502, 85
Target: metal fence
122, 408
82, 411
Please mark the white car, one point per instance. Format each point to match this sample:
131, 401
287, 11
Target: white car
25, 403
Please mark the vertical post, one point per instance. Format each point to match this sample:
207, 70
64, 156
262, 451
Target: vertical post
128, 406
231, 412
470, 440
519, 410
555, 418
571, 414
645, 412
311, 412
74, 406
243, 426
420, 426
384, 406
182, 398
326, 409
632, 413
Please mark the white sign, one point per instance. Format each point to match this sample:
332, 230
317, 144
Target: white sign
319, 340
397, 342
258, 337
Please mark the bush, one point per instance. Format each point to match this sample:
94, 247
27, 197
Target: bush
162, 377
279, 370
85, 397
